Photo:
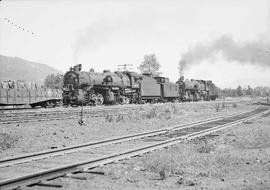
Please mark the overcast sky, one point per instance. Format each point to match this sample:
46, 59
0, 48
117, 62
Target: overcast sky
102, 34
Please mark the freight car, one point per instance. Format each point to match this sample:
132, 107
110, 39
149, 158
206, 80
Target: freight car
17, 93
82, 88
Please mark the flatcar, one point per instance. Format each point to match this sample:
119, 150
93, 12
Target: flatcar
18, 93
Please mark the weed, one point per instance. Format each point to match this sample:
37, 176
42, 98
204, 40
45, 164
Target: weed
7, 141
223, 105
163, 164
109, 118
234, 105
112, 118
217, 107
154, 113
167, 114
119, 118
205, 147
174, 109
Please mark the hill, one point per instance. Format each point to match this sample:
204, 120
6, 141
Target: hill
15, 68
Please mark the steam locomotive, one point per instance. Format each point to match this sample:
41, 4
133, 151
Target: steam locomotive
93, 88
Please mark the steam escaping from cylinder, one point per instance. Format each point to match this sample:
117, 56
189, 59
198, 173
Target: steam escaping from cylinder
255, 52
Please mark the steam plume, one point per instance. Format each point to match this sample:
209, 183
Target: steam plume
91, 38
98, 34
256, 52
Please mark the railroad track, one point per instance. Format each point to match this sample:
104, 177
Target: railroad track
31, 110
22, 117
39, 168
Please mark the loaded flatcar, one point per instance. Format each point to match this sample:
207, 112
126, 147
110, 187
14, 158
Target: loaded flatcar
17, 93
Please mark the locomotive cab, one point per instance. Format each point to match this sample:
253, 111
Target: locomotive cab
169, 90
162, 79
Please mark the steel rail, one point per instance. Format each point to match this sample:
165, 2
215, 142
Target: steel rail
38, 108
37, 177
67, 111
58, 116
96, 108
25, 120
23, 117
49, 153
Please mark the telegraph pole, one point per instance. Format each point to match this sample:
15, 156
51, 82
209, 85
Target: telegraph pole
125, 67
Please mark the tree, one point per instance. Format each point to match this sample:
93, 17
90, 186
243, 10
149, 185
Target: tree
150, 65
239, 91
249, 91
54, 81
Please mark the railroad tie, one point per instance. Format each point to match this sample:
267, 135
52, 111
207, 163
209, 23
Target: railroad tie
48, 185
74, 177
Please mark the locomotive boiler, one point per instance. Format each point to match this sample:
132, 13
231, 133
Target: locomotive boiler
93, 88
195, 90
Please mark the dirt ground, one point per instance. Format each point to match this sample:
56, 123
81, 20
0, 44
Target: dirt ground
237, 158
37, 136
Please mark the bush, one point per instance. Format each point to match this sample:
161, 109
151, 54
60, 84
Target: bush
163, 164
154, 112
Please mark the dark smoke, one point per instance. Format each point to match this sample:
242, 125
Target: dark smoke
256, 52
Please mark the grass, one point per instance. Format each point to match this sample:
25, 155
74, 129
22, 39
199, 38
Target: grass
152, 112
198, 158
230, 159
204, 146
163, 164
114, 118
254, 139
7, 141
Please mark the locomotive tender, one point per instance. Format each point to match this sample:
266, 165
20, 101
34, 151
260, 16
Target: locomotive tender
82, 88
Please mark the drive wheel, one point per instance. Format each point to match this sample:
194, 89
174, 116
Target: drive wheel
100, 99
94, 98
126, 100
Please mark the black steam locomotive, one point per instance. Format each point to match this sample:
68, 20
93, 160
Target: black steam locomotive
82, 88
